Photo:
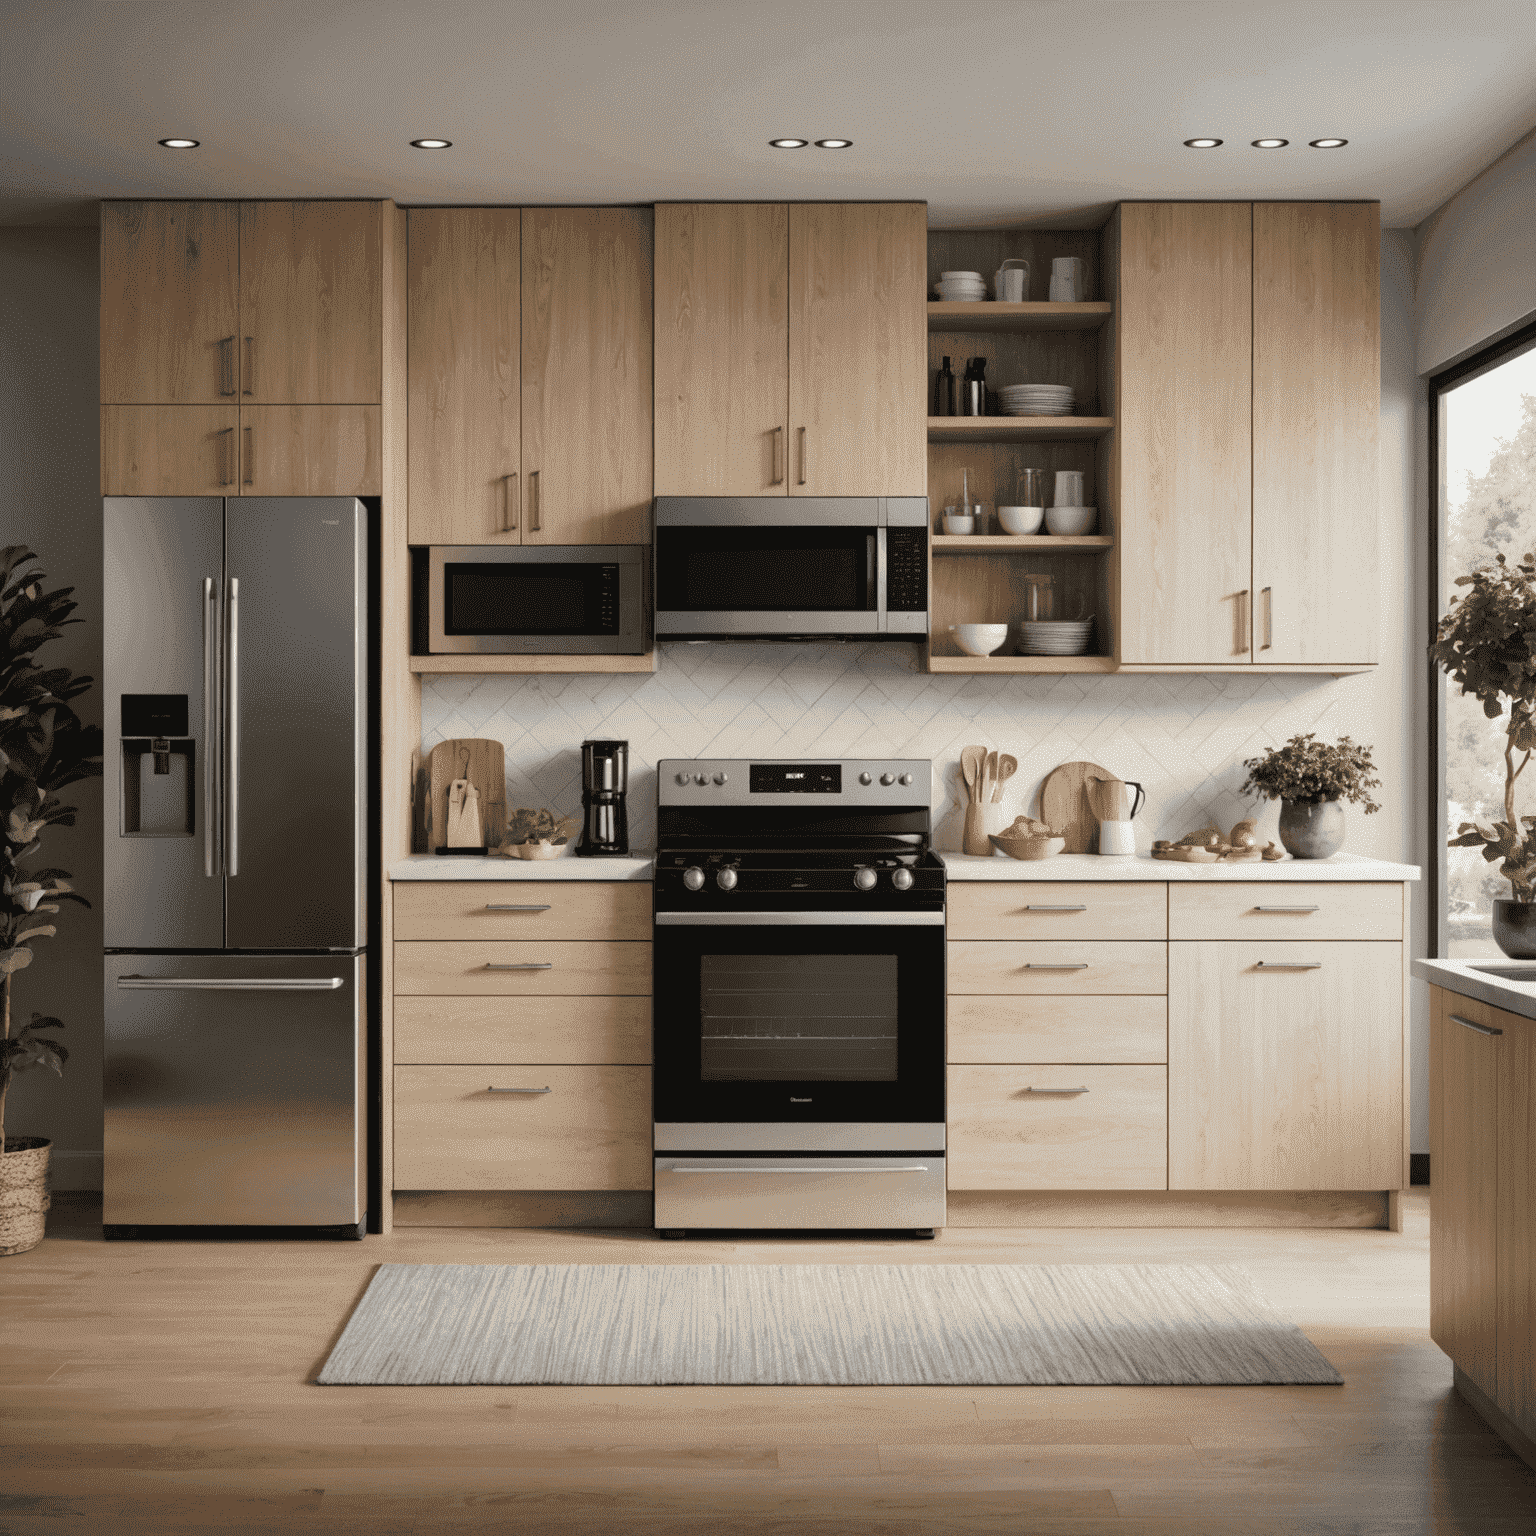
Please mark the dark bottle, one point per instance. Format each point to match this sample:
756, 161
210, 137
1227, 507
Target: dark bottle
944, 391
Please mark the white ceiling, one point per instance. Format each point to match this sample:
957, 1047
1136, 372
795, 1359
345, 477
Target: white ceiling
995, 111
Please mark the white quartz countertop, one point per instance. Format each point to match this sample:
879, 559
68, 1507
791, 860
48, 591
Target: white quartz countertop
1089, 866
429, 866
1465, 979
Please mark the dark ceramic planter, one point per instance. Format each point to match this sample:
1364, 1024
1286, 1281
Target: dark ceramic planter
1514, 928
1311, 829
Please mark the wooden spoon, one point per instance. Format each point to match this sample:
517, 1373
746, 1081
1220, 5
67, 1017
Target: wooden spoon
989, 779
1007, 766
972, 761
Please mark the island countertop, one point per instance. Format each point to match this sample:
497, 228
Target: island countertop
1468, 978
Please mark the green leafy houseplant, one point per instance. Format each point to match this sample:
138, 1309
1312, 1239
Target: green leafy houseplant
44, 747
1307, 770
1486, 643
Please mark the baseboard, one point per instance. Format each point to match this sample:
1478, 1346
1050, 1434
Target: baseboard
1418, 1167
523, 1208
1166, 1208
1495, 1417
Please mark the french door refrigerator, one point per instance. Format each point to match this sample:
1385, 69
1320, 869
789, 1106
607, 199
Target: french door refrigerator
236, 862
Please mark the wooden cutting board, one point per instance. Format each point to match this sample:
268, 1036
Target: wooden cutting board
484, 764
1064, 803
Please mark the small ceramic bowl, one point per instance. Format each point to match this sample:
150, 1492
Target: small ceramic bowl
543, 850
1071, 520
959, 524
979, 639
1029, 847
1020, 519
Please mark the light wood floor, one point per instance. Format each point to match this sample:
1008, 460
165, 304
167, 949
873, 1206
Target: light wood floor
154, 1387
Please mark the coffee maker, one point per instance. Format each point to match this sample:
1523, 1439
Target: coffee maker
604, 785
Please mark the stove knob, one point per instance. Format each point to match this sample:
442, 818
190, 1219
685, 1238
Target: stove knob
701, 778
887, 778
685, 778
865, 879
720, 778
906, 778
726, 879
694, 878
865, 778
902, 879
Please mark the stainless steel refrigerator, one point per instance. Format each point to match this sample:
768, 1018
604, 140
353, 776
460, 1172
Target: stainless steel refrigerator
236, 868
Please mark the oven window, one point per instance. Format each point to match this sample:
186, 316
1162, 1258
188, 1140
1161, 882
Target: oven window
539, 598
775, 570
799, 1018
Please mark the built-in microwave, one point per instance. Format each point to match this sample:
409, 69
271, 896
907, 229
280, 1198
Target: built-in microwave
845, 567
565, 599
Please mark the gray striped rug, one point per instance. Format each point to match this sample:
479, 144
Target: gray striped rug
819, 1325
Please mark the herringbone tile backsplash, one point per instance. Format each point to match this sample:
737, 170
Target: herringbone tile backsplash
1182, 737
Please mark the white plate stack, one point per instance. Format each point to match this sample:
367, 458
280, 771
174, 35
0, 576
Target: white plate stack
961, 287
1055, 637
1035, 399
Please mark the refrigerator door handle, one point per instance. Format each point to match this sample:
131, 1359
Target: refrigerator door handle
210, 725
232, 730
230, 983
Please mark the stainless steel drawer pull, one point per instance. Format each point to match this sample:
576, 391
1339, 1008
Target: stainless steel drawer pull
1482, 1029
509, 906
1036, 965
1288, 965
1286, 909
1037, 907
523, 965
1055, 1090
519, 1090
230, 983
836, 1172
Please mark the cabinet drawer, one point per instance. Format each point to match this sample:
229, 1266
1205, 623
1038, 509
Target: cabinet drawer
592, 969
592, 1130
1008, 1130
1064, 969
522, 909
596, 1030
1288, 910
1049, 910
1059, 1029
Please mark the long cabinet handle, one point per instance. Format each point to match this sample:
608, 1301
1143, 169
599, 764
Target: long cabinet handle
1482, 1029
1269, 619
230, 983
494, 1089
232, 729
534, 525
227, 366
511, 503
1038, 965
836, 1172
507, 906
248, 367
1242, 624
778, 456
1056, 1090
1288, 909
226, 457
248, 458
527, 965
210, 724
802, 456
1288, 965
1043, 907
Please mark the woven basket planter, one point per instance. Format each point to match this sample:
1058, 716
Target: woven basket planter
23, 1193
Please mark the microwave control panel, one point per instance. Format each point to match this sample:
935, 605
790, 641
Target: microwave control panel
906, 570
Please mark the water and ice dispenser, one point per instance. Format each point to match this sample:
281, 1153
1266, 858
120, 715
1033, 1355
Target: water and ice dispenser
159, 777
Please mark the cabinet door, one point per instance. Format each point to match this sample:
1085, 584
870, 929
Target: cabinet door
858, 349
169, 450
1285, 1065
1316, 396
722, 349
1516, 1205
169, 291
1464, 1068
311, 303
587, 290
310, 450
1183, 332
462, 376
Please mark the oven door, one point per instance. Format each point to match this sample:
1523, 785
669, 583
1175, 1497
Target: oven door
832, 1021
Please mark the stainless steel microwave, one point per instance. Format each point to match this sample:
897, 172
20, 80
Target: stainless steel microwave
843, 567
561, 599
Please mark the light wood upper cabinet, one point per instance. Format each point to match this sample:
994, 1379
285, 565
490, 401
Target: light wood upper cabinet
311, 303
463, 375
1316, 398
586, 375
170, 450
169, 303
311, 450
858, 349
1183, 325
722, 349
1285, 1065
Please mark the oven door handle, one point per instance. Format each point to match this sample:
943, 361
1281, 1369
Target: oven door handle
745, 919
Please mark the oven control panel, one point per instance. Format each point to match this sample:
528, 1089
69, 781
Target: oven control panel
860, 783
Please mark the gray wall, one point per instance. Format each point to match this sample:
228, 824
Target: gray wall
49, 499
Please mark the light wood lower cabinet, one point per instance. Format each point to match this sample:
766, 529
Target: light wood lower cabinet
1090, 910
1311, 910
1516, 1211
523, 968
170, 450
1285, 1065
522, 909
591, 1130
1058, 1029
593, 1031
1058, 1127
1066, 968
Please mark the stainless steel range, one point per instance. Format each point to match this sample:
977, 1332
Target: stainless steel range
799, 996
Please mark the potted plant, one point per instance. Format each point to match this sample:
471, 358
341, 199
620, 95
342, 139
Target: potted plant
1312, 780
1487, 643
43, 747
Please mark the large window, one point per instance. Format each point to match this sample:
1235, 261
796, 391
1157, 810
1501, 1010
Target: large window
1483, 425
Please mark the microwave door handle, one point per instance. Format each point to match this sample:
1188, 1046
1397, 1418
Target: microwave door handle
879, 554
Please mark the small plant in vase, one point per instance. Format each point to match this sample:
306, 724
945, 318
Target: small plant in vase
1312, 780
43, 748
1486, 642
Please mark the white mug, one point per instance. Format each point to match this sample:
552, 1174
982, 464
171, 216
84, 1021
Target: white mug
1117, 839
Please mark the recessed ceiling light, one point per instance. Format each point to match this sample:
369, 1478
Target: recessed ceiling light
788, 143
179, 143
1202, 143
1270, 143
431, 143
834, 143
1328, 143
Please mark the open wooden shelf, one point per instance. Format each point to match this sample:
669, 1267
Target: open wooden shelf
1035, 664
1020, 543
988, 315
1017, 429
527, 664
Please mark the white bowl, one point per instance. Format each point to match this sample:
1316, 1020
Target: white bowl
1020, 519
1071, 520
958, 276
979, 639
959, 524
